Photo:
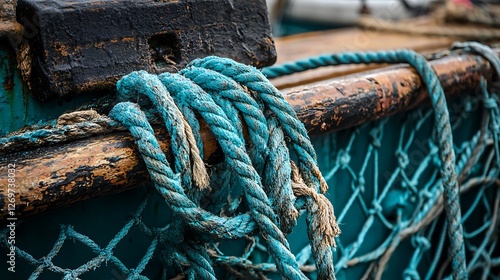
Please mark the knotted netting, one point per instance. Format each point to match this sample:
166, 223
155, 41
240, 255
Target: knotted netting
385, 181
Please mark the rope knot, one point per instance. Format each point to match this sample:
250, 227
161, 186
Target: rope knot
361, 183
411, 274
421, 242
377, 208
106, 254
69, 275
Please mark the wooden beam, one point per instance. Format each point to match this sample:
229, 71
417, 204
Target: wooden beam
345, 102
48, 178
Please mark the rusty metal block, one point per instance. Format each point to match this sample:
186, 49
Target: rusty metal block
86, 45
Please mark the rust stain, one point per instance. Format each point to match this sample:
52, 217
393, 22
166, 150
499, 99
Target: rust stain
61, 48
128, 39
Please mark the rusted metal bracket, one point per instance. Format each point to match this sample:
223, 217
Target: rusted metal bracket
52, 177
81, 46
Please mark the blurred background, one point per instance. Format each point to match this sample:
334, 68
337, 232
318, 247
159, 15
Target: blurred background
298, 16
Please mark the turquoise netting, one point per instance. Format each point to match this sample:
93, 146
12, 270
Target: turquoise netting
387, 201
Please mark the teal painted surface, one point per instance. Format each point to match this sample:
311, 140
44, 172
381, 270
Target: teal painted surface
17, 107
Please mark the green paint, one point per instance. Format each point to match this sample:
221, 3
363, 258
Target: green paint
18, 108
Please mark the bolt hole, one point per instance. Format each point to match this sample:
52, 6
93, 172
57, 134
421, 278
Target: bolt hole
165, 52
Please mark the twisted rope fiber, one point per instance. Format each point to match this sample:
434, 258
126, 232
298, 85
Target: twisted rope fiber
322, 229
259, 204
253, 79
443, 129
58, 133
221, 86
168, 184
233, 149
181, 147
277, 181
174, 122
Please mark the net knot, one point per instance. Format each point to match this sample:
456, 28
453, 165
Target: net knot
490, 103
343, 158
361, 183
106, 254
421, 242
375, 137
377, 208
70, 275
403, 159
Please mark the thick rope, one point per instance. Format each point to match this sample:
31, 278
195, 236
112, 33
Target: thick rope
294, 129
131, 89
322, 240
219, 85
191, 95
168, 184
443, 129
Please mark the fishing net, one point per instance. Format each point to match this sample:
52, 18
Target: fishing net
385, 185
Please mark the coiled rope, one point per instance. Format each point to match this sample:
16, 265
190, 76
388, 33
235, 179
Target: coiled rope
218, 91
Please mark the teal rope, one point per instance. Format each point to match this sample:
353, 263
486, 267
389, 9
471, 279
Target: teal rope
278, 181
168, 184
190, 94
272, 98
132, 88
218, 85
443, 128
296, 132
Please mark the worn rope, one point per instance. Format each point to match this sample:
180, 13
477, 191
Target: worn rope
190, 89
272, 98
443, 129
295, 130
190, 94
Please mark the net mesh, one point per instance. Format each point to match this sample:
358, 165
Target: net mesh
385, 186
387, 195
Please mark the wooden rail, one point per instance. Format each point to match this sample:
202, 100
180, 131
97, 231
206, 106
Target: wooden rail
48, 178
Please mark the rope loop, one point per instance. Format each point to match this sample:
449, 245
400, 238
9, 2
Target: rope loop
219, 91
